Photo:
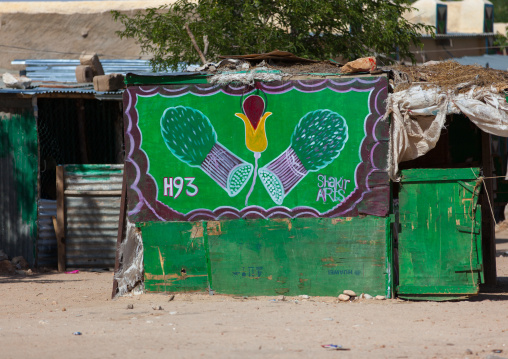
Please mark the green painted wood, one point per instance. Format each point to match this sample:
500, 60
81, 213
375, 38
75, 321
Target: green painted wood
448, 174
436, 289
132, 79
313, 256
440, 223
174, 257
98, 170
18, 180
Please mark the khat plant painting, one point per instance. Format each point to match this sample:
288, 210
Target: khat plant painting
314, 148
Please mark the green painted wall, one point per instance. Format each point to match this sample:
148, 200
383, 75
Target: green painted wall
275, 188
269, 257
18, 182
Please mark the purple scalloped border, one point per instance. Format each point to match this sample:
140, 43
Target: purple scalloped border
143, 205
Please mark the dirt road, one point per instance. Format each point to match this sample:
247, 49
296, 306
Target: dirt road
40, 313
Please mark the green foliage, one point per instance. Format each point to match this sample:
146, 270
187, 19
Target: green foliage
500, 10
317, 29
501, 41
188, 134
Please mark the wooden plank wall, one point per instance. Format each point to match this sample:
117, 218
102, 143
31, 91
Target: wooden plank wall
269, 257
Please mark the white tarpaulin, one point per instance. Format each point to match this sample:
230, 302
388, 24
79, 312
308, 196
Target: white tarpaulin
419, 114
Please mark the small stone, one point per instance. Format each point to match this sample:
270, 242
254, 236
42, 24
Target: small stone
380, 297
54, 302
469, 351
157, 307
304, 296
63, 309
349, 292
20, 262
344, 297
171, 297
281, 298
328, 319
130, 306
172, 313
367, 296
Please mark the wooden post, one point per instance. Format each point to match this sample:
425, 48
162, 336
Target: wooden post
121, 231
488, 223
60, 218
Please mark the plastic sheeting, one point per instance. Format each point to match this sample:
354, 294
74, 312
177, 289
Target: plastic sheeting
248, 78
419, 114
130, 273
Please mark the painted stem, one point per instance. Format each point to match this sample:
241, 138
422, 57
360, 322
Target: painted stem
282, 174
226, 169
257, 155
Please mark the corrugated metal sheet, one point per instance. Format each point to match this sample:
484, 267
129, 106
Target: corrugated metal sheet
46, 239
63, 70
18, 179
458, 34
92, 205
498, 62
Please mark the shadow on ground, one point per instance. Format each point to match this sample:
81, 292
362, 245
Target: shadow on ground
497, 292
41, 277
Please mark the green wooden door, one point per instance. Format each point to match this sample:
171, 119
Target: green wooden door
439, 242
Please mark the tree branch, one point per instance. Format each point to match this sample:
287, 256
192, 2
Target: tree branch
205, 40
201, 56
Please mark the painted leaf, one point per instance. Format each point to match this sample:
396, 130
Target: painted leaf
318, 138
188, 134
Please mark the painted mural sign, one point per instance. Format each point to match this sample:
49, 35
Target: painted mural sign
314, 148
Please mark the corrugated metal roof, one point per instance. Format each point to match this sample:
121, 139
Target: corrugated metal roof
459, 34
58, 76
498, 62
63, 70
114, 95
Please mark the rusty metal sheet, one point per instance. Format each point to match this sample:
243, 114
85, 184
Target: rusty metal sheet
92, 209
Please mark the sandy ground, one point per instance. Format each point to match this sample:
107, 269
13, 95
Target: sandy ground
40, 313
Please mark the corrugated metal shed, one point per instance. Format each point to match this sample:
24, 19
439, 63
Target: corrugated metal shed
92, 210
